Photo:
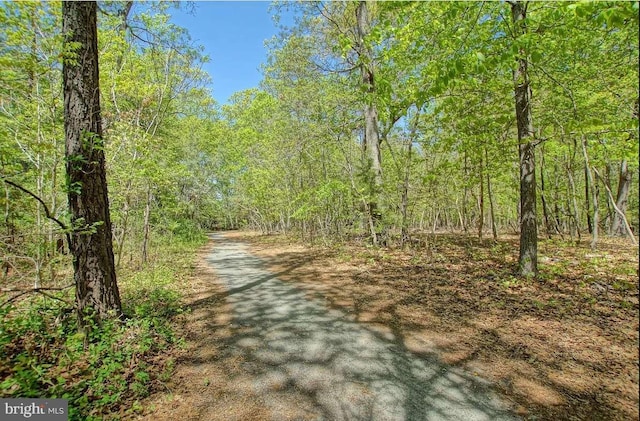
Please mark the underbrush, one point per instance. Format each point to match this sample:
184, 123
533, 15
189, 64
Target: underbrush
43, 355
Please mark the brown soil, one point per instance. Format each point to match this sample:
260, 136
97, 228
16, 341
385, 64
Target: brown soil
564, 346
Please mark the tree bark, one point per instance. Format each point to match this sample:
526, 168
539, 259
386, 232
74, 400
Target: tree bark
528, 259
371, 135
91, 245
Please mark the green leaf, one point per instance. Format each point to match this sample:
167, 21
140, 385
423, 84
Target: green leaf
536, 56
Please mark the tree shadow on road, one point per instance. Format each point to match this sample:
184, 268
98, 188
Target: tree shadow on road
306, 360
552, 344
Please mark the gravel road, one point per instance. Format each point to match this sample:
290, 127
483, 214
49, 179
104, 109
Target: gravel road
310, 362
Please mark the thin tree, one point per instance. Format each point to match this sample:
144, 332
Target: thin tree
528, 260
91, 245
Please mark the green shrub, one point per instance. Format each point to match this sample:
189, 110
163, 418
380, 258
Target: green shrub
43, 355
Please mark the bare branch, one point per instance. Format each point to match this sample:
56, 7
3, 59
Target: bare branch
44, 205
35, 290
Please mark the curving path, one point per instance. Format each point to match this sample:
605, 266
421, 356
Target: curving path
312, 362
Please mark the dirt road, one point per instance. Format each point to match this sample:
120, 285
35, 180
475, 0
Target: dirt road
312, 362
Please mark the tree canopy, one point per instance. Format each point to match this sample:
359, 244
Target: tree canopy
433, 81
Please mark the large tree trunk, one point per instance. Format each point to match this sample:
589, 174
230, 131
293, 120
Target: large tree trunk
371, 136
91, 245
617, 227
528, 259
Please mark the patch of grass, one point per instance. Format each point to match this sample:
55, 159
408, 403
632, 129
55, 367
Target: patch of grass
625, 270
509, 282
623, 285
343, 254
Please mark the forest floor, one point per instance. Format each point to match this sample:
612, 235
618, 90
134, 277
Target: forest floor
562, 346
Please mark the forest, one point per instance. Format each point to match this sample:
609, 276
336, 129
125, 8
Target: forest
379, 125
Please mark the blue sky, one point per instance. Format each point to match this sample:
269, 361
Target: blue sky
233, 34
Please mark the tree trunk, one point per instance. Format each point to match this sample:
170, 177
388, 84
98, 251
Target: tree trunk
494, 227
572, 204
371, 136
618, 211
465, 194
590, 181
607, 183
557, 220
528, 259
617, 227
10, 229
404, 203
91, 245
34, 82
146, 227
404, 206
124, 228
543, 198
587, 199
481, 201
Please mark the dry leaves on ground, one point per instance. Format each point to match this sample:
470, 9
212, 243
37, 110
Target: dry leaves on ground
564, 345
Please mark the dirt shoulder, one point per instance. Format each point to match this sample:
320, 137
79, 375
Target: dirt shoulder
208, 382
564, 346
